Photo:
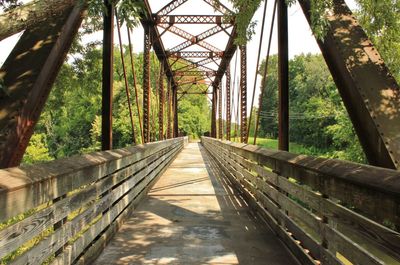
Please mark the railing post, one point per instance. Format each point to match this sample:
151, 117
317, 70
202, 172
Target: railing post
243, 93
283, 72
146, 83
107, 76
228, 103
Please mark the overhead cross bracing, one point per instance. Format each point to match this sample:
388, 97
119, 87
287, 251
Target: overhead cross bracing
185, 40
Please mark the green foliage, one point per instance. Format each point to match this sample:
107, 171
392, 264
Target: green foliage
293, 147
128, 12
71, 121
381, 21
318, 119
37, 150
194, 115
245, 10
268, 119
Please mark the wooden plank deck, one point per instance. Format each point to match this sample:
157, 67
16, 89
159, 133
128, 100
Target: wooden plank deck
193, 216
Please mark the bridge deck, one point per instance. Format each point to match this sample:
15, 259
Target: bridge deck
193, 216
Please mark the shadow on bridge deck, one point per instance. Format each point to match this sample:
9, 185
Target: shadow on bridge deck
193, 216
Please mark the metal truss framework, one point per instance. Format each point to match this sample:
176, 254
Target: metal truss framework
195, 54
376, 130
195, 81
146, 84
228, 103
214, 113
28, 79
220, 123
243, 93
193, 72
169, 108
200, 65
190, 39
369, 91
171, 6
193, 19
161, 106
198, 39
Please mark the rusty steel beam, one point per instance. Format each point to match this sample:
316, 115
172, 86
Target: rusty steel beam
220, 123
193, 19
195, 54
184, 92
195, 73
171, 6
214, 113
199, 38
27, 77
243, 93
146, 84
195, 93
161, 106
107, 77
175, 104
283, 76
199, 65
147, 20
189, 37
197, 81
229, 51
369, 91
228, 103
169, 110
193, 65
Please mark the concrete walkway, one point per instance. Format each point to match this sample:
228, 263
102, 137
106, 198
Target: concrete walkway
192, 216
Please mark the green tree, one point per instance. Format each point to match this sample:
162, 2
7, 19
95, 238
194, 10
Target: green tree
269, 106
318, 119
37, 150
194, 114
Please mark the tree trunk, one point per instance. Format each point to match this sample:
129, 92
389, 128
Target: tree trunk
27, 16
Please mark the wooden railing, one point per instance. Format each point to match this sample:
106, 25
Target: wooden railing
64, 211
326, 211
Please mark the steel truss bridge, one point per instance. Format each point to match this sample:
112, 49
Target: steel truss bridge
167, 200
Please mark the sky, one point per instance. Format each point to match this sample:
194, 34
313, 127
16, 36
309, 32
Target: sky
301, 39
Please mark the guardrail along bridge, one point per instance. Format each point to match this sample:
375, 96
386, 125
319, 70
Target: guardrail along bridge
171, 201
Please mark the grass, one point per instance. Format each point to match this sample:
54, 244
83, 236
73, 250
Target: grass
293, 147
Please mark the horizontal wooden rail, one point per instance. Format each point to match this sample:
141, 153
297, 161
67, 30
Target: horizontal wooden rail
325, 210
63, 212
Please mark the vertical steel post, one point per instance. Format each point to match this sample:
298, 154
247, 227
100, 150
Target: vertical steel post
107, 76
175, 99
243, 93
220, 123
214, 113
228, 103
283, 72
146, 84
161, 105
169, 96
